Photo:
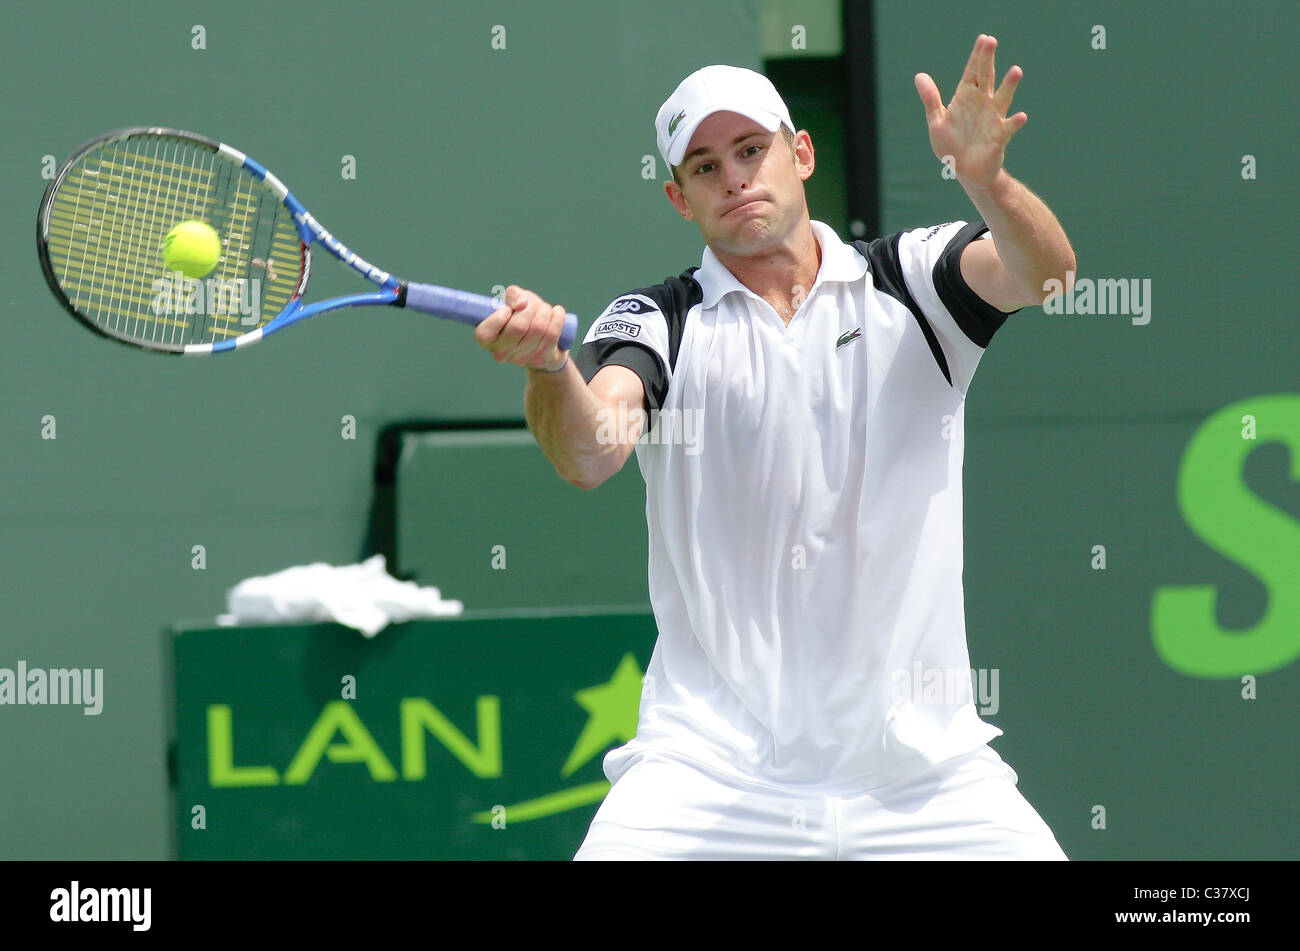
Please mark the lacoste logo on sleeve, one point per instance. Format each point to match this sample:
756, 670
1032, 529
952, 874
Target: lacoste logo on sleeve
935, 230
848, 337
621, 327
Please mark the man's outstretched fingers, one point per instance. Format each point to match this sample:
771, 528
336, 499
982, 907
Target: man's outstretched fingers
1008, 89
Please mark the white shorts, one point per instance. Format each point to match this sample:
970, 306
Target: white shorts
967, 807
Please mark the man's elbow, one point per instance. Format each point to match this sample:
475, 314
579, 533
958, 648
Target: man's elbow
596, 470
1060, 283
1071, 270
587, 480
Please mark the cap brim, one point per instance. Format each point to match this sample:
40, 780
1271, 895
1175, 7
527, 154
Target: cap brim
677, 151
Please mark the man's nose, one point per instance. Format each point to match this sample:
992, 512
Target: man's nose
736, 180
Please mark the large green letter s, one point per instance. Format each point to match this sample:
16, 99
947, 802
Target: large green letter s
1219, 507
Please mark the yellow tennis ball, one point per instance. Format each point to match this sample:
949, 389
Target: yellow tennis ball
192, 248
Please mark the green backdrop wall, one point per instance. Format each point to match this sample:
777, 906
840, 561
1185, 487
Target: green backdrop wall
525, 164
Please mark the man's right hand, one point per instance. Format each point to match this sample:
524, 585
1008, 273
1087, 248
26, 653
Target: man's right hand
525, 330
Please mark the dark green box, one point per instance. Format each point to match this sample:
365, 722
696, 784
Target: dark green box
479, 737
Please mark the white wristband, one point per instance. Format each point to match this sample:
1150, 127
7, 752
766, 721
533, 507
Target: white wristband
557, 369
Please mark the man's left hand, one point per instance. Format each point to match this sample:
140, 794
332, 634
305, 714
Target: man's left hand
973, 129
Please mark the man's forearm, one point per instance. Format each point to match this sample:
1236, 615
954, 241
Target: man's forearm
1030, 241
564, 416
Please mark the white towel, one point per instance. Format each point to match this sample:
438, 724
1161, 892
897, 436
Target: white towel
361, 596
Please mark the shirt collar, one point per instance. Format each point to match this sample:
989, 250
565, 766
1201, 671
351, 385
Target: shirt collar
840, 262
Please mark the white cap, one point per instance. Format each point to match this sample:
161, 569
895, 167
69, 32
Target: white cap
716, 89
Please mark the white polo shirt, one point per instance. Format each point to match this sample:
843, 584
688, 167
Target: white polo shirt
804, 507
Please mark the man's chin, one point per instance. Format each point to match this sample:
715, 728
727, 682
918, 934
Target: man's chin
744, 238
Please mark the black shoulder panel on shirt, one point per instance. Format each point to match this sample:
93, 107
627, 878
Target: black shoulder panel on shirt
977, 318
674, 297
887, 275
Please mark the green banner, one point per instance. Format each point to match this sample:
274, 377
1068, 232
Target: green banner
472, 738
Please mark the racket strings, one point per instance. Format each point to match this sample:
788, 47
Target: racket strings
111, 213
107, 223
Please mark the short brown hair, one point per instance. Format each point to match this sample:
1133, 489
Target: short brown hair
785, 134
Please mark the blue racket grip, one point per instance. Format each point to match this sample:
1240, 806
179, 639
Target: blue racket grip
469, 308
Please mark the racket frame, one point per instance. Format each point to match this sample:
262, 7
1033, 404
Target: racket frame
391, 291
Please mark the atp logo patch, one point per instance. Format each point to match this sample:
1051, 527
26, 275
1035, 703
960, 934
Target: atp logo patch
630, 305
633, 305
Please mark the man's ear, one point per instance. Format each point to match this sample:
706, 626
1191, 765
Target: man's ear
674, 193
804, 160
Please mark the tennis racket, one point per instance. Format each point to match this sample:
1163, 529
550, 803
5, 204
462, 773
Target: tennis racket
105, 217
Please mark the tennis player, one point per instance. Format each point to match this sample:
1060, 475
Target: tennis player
809, 694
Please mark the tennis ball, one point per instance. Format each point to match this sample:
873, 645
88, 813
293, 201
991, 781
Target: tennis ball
192, 248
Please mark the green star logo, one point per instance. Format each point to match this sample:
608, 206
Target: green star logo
613, 708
